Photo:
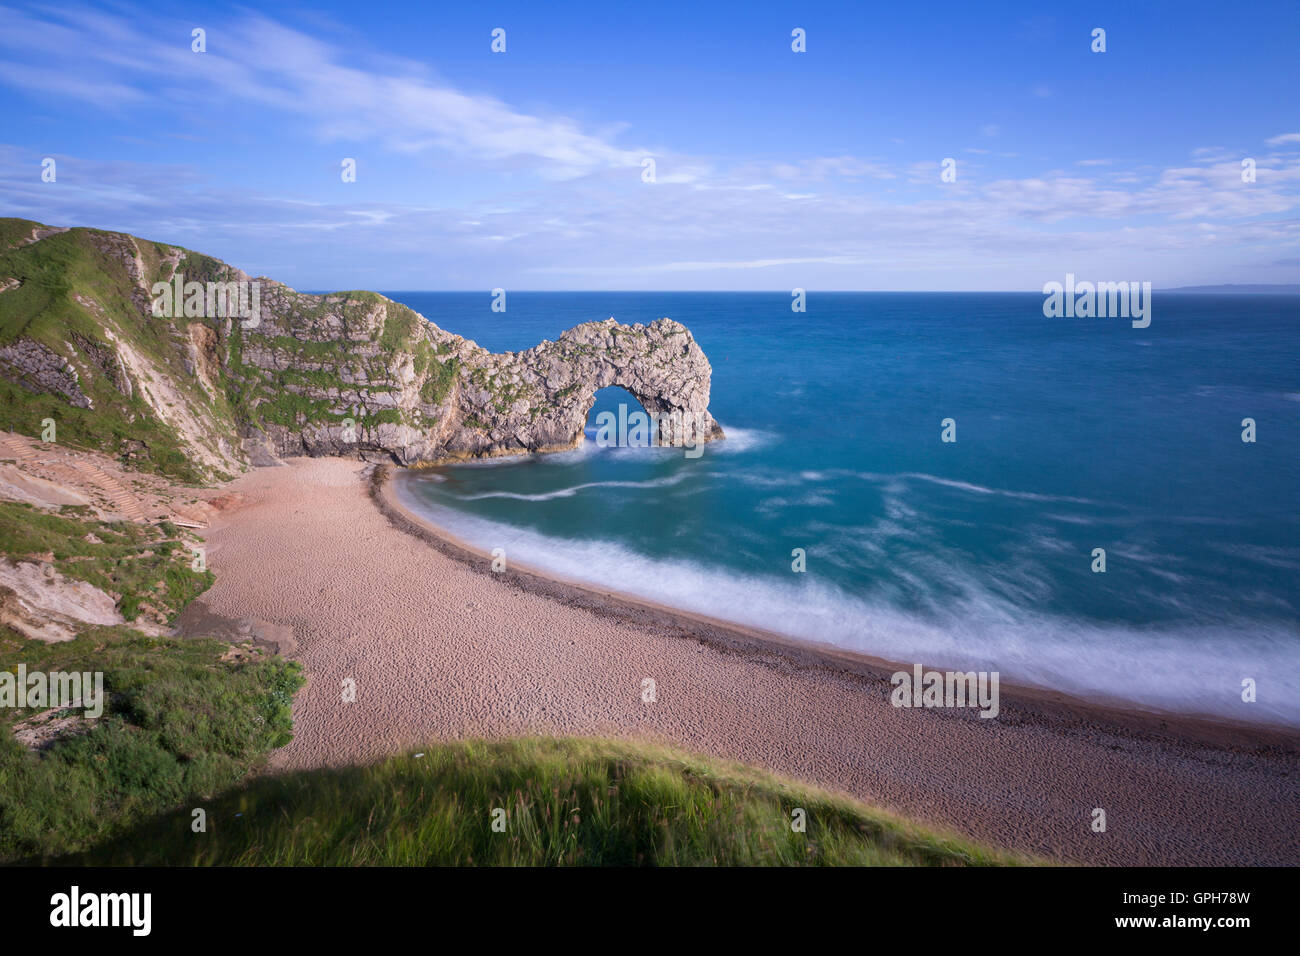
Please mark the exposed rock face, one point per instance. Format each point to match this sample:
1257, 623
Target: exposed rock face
37, 368
348, 373
107, 361
334, 374
40, 603
357, 373
540, 399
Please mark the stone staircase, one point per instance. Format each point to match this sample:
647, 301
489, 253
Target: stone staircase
18, 446
124, 502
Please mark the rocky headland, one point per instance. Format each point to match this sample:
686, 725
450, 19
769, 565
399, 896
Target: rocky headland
199, 393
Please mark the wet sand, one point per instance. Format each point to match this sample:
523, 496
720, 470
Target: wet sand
440, 647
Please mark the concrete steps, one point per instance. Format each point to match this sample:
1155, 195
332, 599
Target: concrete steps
125, 503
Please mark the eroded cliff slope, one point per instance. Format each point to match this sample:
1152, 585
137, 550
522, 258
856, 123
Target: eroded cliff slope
84, 343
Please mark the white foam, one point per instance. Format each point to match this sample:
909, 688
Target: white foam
891, 481
977, 489
1183, 669
739, 440
571, 491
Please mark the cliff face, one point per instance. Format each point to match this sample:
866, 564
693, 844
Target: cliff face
539, 399
347, 373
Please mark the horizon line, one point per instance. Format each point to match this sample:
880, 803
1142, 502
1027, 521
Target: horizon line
1270, 288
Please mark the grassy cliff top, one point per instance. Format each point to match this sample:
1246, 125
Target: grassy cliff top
566, 801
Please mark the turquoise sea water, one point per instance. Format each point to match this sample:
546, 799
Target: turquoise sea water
1072, 434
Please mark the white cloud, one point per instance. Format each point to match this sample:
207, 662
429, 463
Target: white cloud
255, 61
844, 221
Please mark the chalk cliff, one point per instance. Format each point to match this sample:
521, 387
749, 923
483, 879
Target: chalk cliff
201, 394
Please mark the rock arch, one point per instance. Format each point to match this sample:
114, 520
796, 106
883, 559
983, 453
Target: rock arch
539, 399
347, 373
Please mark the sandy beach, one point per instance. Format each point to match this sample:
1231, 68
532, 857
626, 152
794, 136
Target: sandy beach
441, 647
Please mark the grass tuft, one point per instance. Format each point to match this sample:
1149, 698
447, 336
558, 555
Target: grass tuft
567, 802
183, 721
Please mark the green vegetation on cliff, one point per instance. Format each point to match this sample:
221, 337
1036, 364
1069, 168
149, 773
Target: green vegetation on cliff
183, 719
182, 722
75, 296
144, 567
79, 344
438, 386
322, 374
565, 802
125, 430
345, 373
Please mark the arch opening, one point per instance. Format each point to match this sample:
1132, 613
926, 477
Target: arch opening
616, 418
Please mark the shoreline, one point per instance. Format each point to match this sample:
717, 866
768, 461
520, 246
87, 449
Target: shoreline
439, 648
1031, 701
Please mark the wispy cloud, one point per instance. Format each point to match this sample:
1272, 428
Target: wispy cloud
81, 54
580, 212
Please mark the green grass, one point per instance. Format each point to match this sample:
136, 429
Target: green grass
401, 325
442, 375
76, 284
181, 725
566, 802
15, 231
153, 447
305, 395
61, 274
135, 563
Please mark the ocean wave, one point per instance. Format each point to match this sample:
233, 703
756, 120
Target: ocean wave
778, 503
1286, 559
973, 488
570, 456
969, 626
891, 482
766, 479
573, 490
740, 440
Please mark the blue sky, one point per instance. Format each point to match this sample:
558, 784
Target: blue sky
774, 169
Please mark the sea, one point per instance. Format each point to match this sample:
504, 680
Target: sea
834, 512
